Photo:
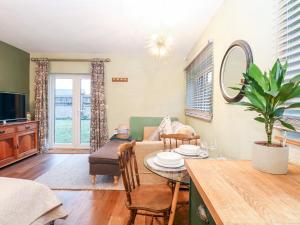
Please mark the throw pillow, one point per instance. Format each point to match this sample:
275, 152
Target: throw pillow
176, 125
186, 129
165, 126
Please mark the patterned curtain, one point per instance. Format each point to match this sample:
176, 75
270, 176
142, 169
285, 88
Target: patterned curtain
99, 131
41, 102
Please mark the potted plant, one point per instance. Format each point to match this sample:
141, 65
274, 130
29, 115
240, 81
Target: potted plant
269, 95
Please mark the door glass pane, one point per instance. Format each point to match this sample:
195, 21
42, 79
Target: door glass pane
63, 111
85, 111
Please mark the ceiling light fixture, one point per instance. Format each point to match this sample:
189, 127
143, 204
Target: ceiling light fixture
160, 45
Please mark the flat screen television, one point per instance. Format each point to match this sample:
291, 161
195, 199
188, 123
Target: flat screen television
12, 107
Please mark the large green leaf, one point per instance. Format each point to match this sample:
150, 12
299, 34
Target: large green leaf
273, 84
257, 75
294, 105
253, 85
294, 93
279, 112
295, 79
279, 71
260, 119
287, 125
253, 109
255, 101
243, 104
285, 91
260, 96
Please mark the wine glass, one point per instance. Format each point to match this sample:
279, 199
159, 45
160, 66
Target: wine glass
203, 146
212, 148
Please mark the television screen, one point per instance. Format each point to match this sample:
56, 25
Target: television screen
12, 106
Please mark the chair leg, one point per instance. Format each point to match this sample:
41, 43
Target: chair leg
166, 218
134, 216
116, 179
130, 220
93, 179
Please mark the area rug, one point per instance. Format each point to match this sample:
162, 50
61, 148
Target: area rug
73, 174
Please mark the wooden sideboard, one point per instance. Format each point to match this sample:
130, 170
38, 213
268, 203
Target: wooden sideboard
17, 141
225, 192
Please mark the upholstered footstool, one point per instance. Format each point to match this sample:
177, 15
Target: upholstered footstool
105, 161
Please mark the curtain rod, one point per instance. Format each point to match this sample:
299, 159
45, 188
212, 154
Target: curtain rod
73, 60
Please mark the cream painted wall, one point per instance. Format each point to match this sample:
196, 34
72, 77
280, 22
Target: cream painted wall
155, 88
253, 21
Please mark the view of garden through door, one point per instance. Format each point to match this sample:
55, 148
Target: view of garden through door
69, 111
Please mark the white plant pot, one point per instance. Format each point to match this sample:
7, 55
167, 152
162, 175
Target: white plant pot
272, 160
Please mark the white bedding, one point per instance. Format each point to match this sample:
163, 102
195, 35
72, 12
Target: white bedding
26, 202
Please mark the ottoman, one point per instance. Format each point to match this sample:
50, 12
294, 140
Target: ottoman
105, 161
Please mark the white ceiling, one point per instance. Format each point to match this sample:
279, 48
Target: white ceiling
102, 26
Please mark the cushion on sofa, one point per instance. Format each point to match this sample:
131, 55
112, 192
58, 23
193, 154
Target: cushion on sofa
165, 126
185, 129
176, 125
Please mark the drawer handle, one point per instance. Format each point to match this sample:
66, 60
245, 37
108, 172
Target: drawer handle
2, 131
27, 127
202, 214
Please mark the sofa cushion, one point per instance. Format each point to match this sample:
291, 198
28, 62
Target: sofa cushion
165, 126
185, 129
176, 125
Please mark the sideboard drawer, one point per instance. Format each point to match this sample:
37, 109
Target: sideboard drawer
199, 214
26, 127
7, 130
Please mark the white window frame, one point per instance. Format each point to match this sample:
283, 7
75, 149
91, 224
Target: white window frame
75, 113
197, 103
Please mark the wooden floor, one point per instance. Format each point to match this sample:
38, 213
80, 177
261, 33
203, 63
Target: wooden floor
83, 207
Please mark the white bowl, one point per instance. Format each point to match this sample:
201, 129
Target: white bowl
189, 147
169, 158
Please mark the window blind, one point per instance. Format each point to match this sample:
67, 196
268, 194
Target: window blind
289, 47
199, 85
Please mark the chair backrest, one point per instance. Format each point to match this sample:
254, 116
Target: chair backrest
128, 167
169, 139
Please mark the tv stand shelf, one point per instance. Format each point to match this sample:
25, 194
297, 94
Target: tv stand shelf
18, 140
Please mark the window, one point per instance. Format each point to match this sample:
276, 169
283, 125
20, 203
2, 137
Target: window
289, 50
199, 85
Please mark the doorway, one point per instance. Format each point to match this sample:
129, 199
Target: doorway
69, 111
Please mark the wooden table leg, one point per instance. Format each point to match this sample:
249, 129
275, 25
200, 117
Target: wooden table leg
174, 203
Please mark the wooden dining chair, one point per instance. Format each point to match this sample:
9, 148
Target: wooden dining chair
172, 141
147, 200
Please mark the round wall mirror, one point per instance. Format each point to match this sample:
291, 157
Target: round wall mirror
235, 62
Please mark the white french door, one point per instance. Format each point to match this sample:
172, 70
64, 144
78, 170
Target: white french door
69, 111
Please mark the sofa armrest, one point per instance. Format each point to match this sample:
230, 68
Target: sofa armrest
144, 148
141, 150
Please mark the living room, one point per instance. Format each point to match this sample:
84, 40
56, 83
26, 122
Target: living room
149, 112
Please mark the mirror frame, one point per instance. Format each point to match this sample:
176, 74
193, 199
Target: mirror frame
249, 59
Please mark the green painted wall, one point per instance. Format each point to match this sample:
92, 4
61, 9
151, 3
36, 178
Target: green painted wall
14, 69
